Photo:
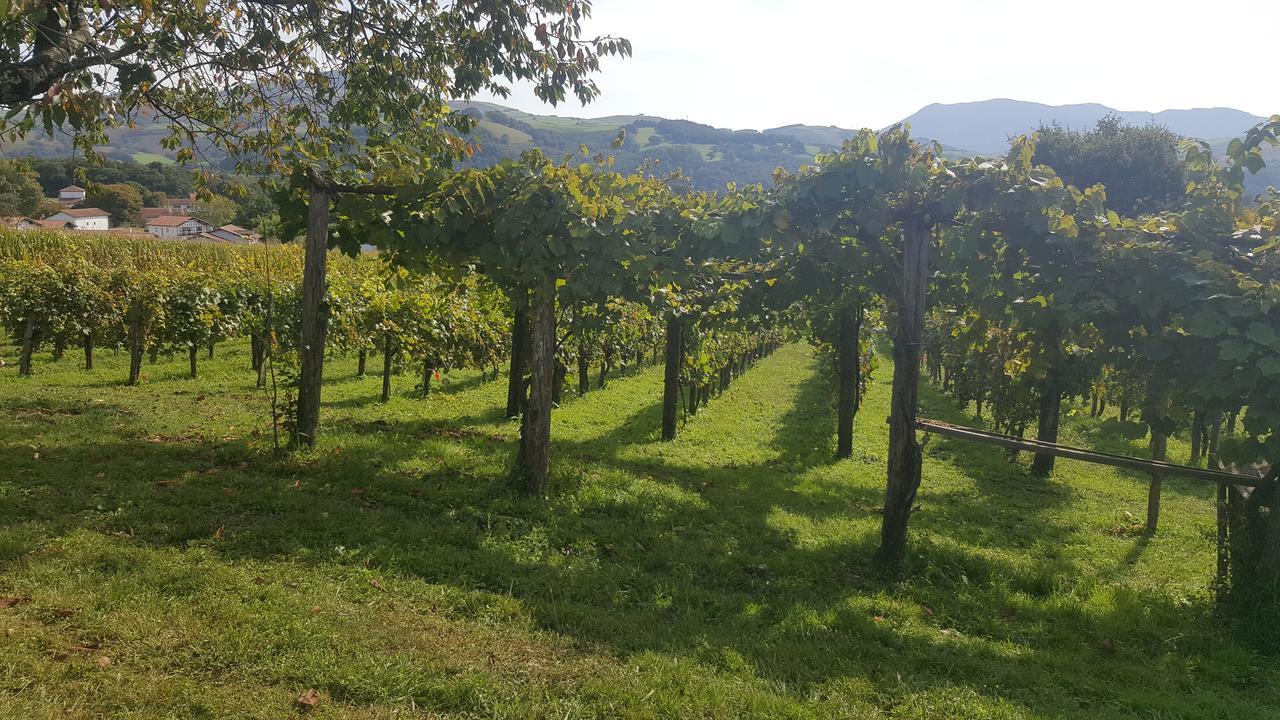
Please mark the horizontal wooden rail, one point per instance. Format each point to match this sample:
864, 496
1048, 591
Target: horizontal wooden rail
1101, 458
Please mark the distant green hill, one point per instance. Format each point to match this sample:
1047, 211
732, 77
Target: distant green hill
712, 157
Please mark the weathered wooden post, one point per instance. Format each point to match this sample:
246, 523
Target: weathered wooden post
671, 377
847, 362
905, 455
315, 320
519, 343
534, 456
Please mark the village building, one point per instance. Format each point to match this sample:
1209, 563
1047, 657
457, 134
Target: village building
18, 222
71, 194
83, 218
234, 234
175, 226
180, 206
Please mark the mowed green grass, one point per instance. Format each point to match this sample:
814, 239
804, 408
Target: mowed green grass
168, 566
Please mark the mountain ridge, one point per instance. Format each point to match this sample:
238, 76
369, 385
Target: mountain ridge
710, 157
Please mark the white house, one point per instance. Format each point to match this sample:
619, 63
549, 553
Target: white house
180, 206
173, 226
71, 194
83, 218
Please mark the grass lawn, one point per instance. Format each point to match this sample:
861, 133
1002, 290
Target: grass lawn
167, 566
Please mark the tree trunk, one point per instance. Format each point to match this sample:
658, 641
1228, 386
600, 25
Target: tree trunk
387, 362
59, 348
519, 341
905, 456
211, 346
584, 373
315, 319
361, 360
671, 377
154, 354
255, 351
1124, 409
605, 366
88, 351
28, 346
982, 391
847, 361
264, 347
557, 383
426, 378
1047, 428
1093, 409
192, 354
1197, 433
584, 370
1159, 451
1215, 438
1231, 421
533, 461
137, 346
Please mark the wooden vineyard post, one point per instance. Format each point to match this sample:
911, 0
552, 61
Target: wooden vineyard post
1159, 451
314, 321
28, 346
388, 357
533, 461
584, 375
519, 342
1047, 427
847, 362
905, 455
137, 341
671, 377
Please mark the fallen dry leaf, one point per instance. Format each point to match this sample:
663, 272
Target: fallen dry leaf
8, 602
357, 491
217, 534
167, 483
104, 661
63, 612
297, 484
927, 610
878, 618
229, 492
308, 699
377, 585
35, 456
315, 609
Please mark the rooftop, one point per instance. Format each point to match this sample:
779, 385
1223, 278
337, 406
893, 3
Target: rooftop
172, 220
82, 212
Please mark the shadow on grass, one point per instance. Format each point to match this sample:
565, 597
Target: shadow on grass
687, 560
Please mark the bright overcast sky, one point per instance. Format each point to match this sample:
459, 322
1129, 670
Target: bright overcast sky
851, 63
